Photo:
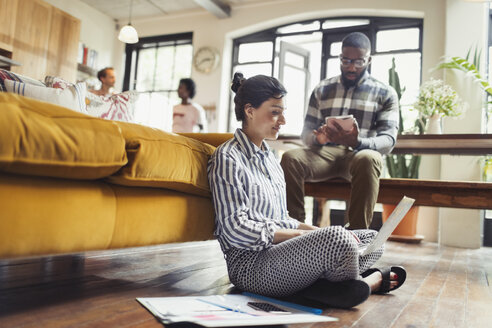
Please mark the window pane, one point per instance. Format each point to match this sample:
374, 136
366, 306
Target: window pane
336, 23
408, 69
164, 70
154, 109
294, 59
294, 83
335, 48
145, 70
299, 28
332, 67
312, 43
182, 64
397, 39
254, 69
253, 52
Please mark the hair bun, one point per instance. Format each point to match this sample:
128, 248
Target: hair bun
237, 81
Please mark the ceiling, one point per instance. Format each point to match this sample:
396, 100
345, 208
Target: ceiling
120, 9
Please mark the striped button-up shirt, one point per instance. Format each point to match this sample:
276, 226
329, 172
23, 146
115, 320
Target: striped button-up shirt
248, 189
373, 104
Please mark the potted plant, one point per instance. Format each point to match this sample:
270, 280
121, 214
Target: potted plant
403, 166
436, 100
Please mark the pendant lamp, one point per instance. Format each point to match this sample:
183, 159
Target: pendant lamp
128, 33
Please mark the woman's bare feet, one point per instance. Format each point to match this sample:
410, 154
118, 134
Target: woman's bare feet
375, 279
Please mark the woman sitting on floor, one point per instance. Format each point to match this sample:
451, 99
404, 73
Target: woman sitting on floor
266, 251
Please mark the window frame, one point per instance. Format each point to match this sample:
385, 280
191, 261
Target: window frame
179, 38
375, 25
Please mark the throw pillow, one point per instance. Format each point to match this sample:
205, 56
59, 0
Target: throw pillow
118, 107
73, 97
8, 75
79, 89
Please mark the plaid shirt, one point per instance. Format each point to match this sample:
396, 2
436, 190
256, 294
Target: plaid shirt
373, 104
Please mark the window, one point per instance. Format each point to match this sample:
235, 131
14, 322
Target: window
260, 53
153, 68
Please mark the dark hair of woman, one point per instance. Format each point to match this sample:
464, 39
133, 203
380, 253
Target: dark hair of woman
254, 91
190, 86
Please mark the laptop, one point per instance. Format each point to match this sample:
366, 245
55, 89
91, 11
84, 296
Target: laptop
389, 226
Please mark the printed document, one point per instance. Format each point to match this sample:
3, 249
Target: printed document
230, 310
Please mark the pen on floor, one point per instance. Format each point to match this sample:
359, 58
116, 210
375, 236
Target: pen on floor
284, 303
228, 308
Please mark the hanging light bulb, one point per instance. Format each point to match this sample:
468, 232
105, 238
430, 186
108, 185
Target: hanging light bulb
128, 33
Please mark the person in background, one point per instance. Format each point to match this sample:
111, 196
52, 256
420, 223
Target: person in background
266, 251
355, 153
108, 79
188, 116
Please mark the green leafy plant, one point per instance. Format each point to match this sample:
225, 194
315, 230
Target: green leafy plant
470, 68
400, 165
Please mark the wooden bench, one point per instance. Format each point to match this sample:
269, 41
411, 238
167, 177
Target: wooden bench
457, 194
438, 193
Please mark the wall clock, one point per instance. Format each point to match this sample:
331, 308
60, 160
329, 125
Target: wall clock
206, 59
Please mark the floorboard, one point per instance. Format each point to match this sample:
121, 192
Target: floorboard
445, 287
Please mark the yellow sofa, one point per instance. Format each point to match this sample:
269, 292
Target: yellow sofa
70, 182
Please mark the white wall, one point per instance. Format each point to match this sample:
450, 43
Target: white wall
97, 30
465, 28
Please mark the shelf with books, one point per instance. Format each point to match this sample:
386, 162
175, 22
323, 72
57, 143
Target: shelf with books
87, 70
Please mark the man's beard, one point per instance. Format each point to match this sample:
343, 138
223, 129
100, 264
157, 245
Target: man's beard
350, 83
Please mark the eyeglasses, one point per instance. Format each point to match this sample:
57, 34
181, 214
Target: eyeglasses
358, 63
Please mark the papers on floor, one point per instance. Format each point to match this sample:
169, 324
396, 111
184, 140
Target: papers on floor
389, 226
225, 311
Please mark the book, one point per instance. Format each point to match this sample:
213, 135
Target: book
230, 310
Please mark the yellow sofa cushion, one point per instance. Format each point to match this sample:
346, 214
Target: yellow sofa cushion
165, 160
149, 216
39, 138
41, 216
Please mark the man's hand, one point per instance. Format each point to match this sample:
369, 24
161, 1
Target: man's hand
321, 135
335, 133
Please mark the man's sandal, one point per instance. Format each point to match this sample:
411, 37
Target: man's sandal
386, 282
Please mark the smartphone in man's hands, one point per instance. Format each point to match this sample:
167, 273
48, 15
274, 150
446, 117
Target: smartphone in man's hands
345, 121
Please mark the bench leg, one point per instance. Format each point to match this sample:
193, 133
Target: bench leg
321, 212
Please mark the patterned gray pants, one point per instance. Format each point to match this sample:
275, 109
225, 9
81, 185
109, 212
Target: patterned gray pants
330, 253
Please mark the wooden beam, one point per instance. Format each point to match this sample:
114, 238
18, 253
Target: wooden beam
455, 194
216, 7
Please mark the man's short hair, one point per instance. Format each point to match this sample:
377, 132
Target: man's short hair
190, 86
357, 40
102, 73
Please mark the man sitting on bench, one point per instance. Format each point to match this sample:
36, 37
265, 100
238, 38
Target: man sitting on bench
351, 151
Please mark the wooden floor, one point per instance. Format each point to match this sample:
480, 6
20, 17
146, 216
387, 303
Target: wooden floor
446, 287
